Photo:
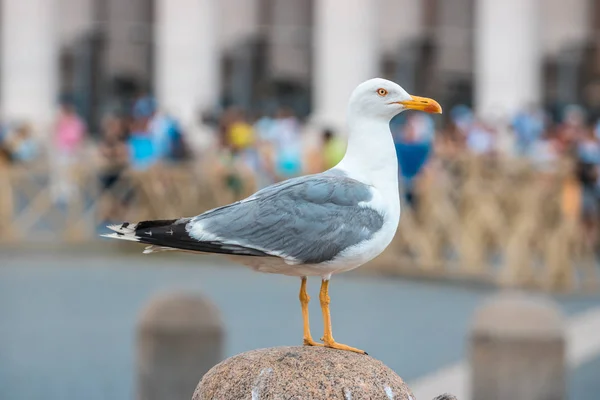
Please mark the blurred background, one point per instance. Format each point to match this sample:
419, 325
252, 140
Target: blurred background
114, 110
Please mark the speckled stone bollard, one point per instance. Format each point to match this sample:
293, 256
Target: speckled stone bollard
301, 373
518, 349
179, 337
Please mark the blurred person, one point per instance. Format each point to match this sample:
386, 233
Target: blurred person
168, 137
141, 146
545, 152
7, 198
413, 143
574, 115
263, 126
265, 146
588, 148
143, 107
481, 139
237, 153
449, 142
18, 145
23, 145
150, 123
235, 131
224, 121
5, 146
5, 157
334, 149
114, 161
418, 128
154, 136
588, 162
70, 130
587, 175
572, 129
241, 138
144, 144
326, 154
462, 118
288, 144
69, 136
240, 134
528, 126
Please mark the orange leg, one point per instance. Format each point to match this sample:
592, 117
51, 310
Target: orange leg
304, 300
327, 335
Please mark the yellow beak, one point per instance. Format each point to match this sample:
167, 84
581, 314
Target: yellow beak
422, 104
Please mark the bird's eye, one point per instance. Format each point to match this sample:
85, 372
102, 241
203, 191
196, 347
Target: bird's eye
382, 92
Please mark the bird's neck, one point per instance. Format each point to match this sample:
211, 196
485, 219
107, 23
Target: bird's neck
371, 154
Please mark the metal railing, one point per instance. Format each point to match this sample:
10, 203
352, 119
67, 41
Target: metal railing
491, 220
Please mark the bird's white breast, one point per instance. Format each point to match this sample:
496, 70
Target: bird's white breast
387, 203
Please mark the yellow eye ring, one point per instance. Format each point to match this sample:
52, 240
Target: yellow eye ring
382, 92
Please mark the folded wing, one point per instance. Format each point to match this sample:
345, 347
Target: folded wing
306, 220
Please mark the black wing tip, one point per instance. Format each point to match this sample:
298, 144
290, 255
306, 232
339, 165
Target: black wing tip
173, 234
157, 223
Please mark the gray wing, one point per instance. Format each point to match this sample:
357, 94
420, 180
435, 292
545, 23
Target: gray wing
304, 220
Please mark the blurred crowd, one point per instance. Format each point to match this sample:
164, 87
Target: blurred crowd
268, 148
547, 140
273, 147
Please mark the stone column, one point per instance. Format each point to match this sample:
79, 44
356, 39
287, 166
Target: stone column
565, 24
128, 34
507, 56
517, 350
179, 338
29, 62
346, 54
187, 57
302, 373
289, 40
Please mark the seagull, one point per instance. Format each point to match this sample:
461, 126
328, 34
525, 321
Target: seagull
313, 225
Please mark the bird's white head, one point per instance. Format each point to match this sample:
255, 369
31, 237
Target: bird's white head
380, 98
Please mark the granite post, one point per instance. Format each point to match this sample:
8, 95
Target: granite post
301, 373
179, 338
517, 349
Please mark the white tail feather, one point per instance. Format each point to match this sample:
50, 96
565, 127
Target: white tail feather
129, 237
120, 229
157, 249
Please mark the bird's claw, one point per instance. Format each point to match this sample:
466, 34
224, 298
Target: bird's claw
310, 342
332, 344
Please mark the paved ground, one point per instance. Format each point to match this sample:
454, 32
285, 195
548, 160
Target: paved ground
67, 320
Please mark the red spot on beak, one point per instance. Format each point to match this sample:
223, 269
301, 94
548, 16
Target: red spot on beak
431, 108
